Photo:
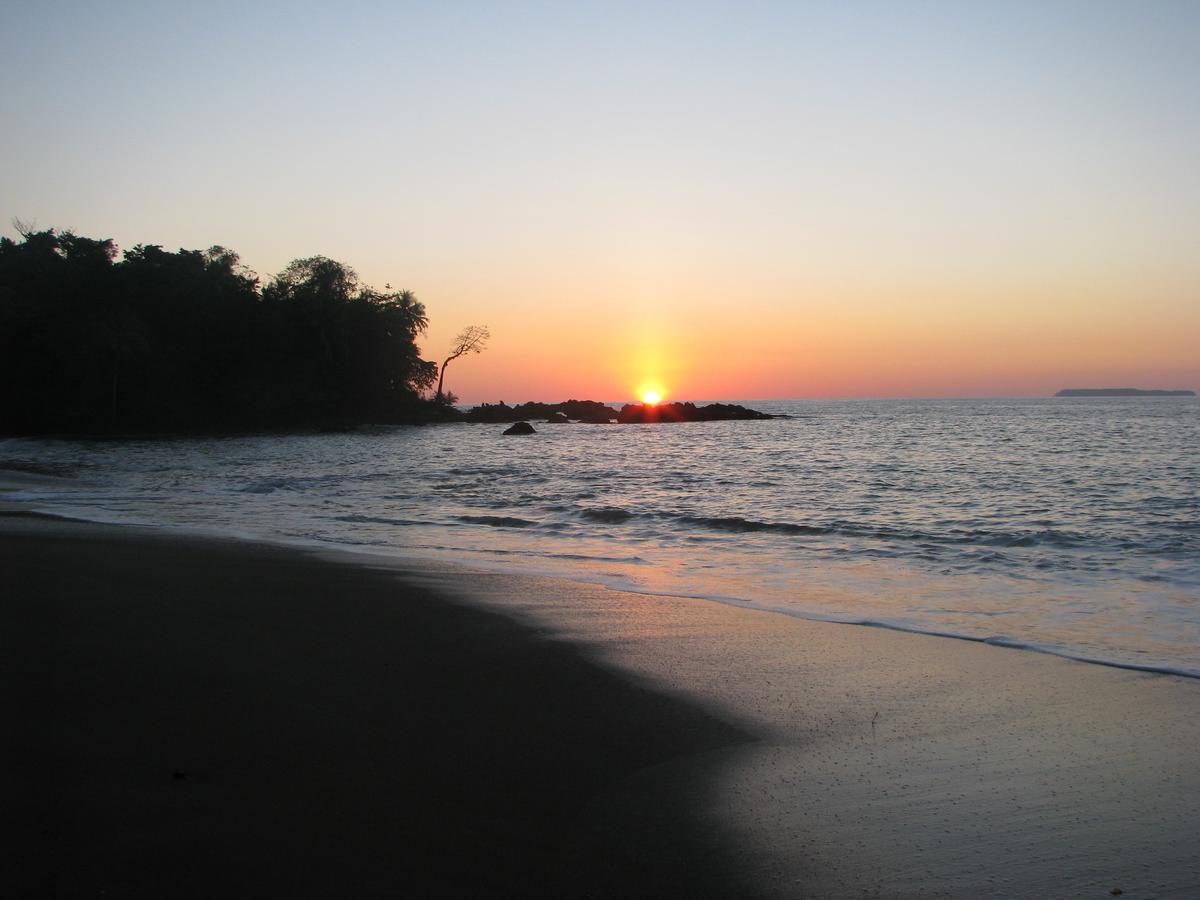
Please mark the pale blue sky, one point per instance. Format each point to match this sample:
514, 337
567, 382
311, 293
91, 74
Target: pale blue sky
509, 160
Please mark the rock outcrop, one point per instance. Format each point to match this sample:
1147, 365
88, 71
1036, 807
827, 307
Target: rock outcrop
575, 410
640, 413
594, 413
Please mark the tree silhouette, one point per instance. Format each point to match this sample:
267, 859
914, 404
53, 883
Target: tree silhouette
472, 339
187, 341
125, 336
349, 349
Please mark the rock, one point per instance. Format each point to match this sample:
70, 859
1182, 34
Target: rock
633, 413
491, 412
575, 410
520, 428
588, 411
593, 413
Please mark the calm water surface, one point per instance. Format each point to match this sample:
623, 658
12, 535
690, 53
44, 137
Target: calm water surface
1066, 525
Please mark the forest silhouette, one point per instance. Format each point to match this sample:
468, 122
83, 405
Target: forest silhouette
191, 341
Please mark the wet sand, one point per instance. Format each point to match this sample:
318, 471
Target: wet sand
200, 718
890, 765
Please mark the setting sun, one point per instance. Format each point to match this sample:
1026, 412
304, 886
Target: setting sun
650, 391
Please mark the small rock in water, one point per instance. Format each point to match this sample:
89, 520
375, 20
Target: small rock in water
520, 428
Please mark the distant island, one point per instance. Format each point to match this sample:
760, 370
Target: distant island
1120, 392
594, 413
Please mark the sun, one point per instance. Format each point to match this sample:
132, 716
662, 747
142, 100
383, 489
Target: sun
650, 391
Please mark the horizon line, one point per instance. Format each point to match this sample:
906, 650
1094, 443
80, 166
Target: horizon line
864, 398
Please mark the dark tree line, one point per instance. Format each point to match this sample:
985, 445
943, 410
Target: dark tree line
189, 341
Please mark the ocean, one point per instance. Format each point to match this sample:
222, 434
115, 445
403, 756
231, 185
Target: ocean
1070, 526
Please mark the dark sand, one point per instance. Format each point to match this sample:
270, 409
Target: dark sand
192, 718
356, 728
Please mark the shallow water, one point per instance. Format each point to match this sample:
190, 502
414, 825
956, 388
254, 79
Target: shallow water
1067, 525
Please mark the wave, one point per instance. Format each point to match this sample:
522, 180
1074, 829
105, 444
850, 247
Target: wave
584, 557
37, 467
490, 471
616, 515
270, 485
956, 536
739, 525
375, 520
288, 483
610, 515
498, 521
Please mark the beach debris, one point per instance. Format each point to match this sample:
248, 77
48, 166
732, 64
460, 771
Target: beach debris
520, 428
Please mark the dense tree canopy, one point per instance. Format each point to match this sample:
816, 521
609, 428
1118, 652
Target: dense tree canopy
187, 341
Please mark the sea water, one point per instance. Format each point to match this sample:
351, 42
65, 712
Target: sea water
1066, 525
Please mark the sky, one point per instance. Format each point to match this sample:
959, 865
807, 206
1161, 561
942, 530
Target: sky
727, 201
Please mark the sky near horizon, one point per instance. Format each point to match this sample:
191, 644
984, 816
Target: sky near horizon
744, 200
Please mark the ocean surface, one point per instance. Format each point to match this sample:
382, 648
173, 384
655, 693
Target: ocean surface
1066, 525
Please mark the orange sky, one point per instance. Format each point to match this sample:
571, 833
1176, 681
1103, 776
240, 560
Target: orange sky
716, 345
735, 200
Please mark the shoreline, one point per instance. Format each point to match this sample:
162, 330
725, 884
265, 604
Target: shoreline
768, 516
405, 562
838, 761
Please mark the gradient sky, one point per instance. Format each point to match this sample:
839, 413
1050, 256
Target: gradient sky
734, 200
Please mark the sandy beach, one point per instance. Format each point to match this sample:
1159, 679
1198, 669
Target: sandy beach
199, 718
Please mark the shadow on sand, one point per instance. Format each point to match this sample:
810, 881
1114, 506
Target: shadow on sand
202, 718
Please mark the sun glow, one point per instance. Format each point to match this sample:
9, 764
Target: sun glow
650, 392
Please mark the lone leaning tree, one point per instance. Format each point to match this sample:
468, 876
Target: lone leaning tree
472, 339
